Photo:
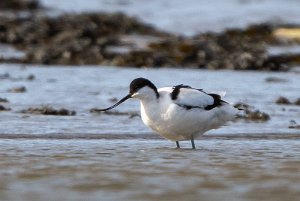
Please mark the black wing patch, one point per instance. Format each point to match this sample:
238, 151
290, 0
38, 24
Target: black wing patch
217, 98
188, 107
176, 89
217, 102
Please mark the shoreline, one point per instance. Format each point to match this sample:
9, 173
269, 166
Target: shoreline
116, 39
152, 136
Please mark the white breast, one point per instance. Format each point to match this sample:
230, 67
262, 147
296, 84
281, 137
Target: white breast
177, 123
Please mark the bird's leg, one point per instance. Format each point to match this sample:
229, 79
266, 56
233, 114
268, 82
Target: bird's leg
177, 144
192, 141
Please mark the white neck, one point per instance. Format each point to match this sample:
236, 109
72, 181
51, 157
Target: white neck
146, 94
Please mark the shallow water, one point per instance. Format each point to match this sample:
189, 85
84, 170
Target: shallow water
81, 89
108, 157
149, 170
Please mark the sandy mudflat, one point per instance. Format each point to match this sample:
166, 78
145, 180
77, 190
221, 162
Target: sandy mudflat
145, 169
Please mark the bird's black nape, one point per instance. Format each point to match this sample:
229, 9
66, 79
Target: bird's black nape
139, 83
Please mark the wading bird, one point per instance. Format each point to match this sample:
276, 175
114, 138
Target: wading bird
178, 113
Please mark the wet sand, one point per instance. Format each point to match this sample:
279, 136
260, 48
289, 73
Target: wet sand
139, 169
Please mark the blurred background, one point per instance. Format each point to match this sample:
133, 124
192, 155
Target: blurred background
61, 59
191, 17
236, 34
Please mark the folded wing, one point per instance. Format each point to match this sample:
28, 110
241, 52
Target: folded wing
191, 98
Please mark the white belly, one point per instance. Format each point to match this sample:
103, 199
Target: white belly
176, 123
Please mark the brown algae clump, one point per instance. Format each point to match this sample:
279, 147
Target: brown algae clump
297, 102
18, 5
2, 108
3, 100
119, 40
21, 89
251, 114
283, 101
47, 110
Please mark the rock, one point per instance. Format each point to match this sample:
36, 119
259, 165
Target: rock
114, 99
47, 110
242, 106
251, 114
4, 76
2, 108
21, 89
119, 40
3, 100
294, 126
30, 77
283, 101
286, 101
20, 4
256, 115
297, 102
275, 80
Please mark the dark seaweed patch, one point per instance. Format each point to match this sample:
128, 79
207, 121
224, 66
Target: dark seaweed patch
47, 110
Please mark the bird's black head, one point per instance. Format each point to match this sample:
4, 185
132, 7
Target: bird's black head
139, 83
134, 87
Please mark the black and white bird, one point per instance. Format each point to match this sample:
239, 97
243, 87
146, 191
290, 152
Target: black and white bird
179, 113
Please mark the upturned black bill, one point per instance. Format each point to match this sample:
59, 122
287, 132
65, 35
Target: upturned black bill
115, 105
